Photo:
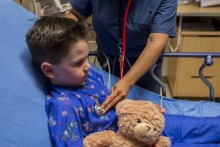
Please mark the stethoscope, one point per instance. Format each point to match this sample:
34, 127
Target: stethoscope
122, 44
98, 107
122, 51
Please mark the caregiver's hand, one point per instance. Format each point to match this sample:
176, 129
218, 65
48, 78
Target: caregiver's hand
118, 93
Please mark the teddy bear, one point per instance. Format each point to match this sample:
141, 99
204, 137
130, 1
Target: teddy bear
140, 125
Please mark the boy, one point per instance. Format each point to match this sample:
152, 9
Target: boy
59, 47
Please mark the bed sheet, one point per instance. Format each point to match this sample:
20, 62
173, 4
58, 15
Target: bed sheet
192, 130
22, 111
172, 106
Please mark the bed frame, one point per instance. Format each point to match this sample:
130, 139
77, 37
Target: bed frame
208, 61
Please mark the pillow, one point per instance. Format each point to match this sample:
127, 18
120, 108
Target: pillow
22, 112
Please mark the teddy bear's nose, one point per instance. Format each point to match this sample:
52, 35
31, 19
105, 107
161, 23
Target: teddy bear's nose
148, 127
143, 129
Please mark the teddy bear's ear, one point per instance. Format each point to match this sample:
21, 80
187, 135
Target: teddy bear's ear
122, 106
123, 102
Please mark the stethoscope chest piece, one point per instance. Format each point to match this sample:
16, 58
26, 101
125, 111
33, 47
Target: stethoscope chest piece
99, 110
98, 107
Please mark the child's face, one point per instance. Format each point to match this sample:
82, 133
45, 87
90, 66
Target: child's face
73, 68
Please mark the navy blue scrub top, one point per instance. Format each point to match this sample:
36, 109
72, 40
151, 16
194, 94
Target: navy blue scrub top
145, 17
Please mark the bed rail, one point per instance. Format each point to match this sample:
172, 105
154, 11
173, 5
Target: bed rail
208, 61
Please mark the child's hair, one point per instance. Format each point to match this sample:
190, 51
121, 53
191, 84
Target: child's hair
51, 37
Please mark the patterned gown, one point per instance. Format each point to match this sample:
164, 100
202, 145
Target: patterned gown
71, 111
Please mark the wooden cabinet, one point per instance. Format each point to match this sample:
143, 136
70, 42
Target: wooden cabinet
183, 73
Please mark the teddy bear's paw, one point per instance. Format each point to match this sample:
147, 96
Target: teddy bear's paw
162, 142
99, 139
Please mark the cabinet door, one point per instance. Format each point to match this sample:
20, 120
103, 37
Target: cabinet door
190, 66
184, 80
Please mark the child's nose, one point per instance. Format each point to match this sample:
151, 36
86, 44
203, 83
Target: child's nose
88, 66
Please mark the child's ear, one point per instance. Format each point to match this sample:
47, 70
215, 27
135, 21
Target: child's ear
47, 69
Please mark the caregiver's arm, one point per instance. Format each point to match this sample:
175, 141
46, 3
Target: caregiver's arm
149, 56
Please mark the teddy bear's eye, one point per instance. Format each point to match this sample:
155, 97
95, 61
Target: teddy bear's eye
138, 120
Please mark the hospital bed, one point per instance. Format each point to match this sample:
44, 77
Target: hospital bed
23, 121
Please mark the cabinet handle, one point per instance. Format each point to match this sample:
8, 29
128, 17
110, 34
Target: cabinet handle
196, 77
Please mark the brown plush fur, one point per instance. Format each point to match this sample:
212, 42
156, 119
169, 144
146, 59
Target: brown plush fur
140, 125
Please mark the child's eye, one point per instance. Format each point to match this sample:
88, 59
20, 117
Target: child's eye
75, 64
79, 63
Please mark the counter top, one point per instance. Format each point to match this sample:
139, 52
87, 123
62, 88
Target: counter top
194, 10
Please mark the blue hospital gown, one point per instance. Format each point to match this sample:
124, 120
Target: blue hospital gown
71, 111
